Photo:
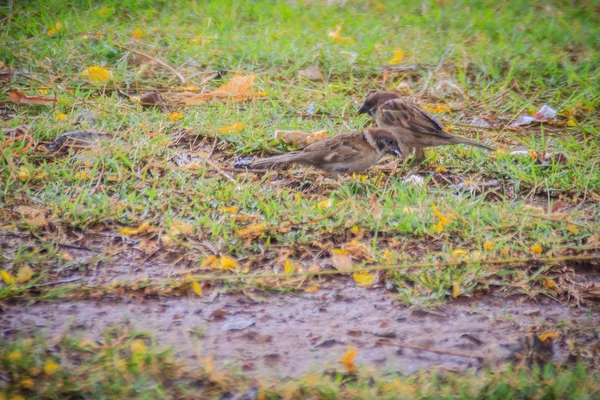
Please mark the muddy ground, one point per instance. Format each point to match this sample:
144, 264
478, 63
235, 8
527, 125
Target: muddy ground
290, 335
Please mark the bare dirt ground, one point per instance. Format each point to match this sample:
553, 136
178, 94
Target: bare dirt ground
289, 335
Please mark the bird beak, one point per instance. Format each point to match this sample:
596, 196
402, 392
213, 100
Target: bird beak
364, 109
396, 152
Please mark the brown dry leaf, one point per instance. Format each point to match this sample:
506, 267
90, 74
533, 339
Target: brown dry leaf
299, 138
348, 360
151, 99
237, 89
311, 73
376, 210
147, 246
357, 249
5, 73
22, 98
32, 216
341, 260
549, 284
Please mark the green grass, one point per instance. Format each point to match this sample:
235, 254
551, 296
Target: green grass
127, 365
507, 59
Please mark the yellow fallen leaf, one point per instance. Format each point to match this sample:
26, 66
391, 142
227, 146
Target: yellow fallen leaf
230, 210
181, 228
549, 284
348, 360
138, 347
238, 88
228, 263
197, 289
289, 266
341, 260
311, 289
459, 252
363, 278
209, 261
27, 383
14, 355
253, 230
443, 220
437, 109
51, 32
441, 169
488, 245
548, 335
175, 116
398, 56
536, 249
23, 174
51, 367
25, 273
573, 228
456, 289
7, 277
166, 240
143, 228
236, 127
96, 74
137, 33
325, 203
336, 36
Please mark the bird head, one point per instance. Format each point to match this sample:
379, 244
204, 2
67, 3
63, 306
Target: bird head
384, 140
374, 100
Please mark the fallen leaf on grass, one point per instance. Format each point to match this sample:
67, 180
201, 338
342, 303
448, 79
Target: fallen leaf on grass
175, 116
7, 277
443, 220
236, 127
363, 278
5, 74
210, 260
197, 289
397, 58
536, 249
289, 267
237, 89
96, 74
22, 98
311, 73
227, 263
25, 274
376, 210
488, 245
181, 228
51, 367
152, 99
341, 260
32, 216
549, 284
252, 231
548, 336
298, 138
456, 289
336, 36
137, 33
348, 360
437, 109
143, 228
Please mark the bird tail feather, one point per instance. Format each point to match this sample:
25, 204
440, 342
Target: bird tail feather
461, 140
274, 161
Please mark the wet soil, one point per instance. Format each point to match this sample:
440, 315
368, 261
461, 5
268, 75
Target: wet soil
289, 335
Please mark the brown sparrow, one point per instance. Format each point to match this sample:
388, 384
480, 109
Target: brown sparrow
348, 152
413, 127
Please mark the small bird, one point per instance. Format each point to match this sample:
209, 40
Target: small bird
348, 152
413, 127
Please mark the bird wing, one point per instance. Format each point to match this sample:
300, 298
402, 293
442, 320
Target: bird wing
341, 148
408, 115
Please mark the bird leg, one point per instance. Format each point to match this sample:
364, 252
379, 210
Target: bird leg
419, 155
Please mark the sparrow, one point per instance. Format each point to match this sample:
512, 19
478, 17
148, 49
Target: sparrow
413, 127
345, 153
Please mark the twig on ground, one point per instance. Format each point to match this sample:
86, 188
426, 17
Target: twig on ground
220, 171
156, 60
70, 280
429, 349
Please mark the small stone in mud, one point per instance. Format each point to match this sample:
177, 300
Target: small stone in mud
238, 324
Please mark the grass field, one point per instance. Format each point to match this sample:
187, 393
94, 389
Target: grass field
156, 207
